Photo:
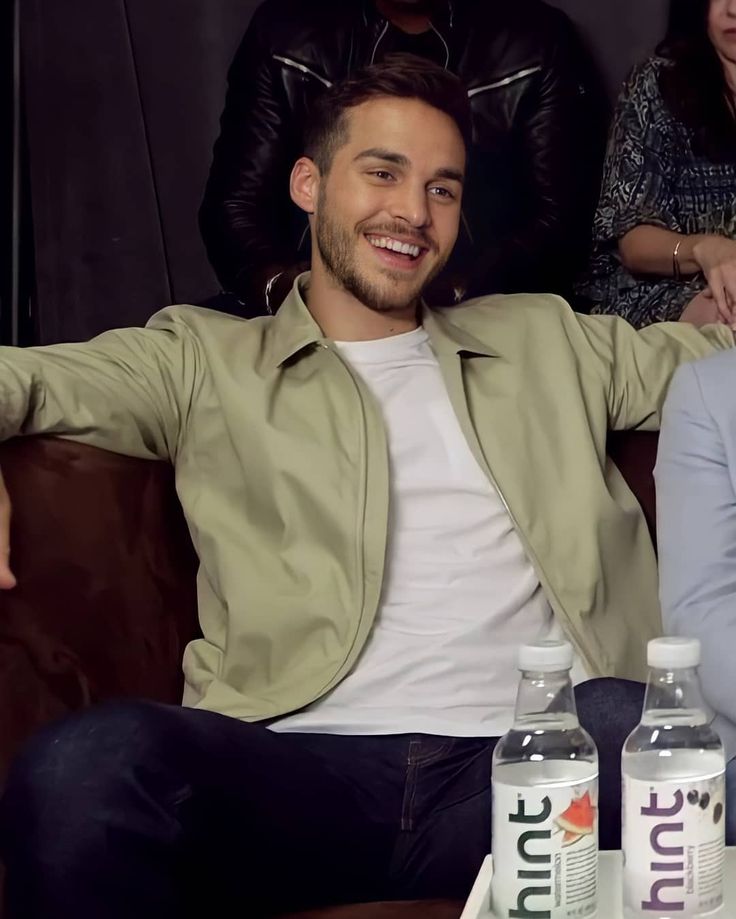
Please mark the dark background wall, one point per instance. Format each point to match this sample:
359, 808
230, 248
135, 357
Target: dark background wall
8, 91
619, 33
121, 101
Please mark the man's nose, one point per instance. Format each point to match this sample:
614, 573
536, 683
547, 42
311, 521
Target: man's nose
409, 203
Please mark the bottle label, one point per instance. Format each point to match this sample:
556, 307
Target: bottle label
545, 850
673, 843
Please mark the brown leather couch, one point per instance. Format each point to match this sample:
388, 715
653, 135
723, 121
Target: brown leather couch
106, 596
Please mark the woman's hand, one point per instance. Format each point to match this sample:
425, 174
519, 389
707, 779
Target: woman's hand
716, 256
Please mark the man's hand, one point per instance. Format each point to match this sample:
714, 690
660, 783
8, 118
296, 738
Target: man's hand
7, 579
281, 286
703, 310
716, 256
252, 293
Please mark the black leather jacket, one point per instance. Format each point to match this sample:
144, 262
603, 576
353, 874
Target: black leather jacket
527, 205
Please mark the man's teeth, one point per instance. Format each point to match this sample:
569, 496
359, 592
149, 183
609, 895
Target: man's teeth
385, 242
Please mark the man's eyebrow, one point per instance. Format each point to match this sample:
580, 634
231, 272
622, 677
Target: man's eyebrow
380, 153
453, 174
399, 159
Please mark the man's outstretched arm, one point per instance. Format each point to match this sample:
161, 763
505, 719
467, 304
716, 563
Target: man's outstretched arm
122, 391
636, 366
696, 529
127, 391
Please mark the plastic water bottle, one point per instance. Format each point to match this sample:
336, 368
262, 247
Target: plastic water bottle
545, 797
673, 794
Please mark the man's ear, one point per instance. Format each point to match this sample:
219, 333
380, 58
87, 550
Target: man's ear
304, 184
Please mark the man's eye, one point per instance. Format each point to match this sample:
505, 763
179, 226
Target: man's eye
440, 191
381, 174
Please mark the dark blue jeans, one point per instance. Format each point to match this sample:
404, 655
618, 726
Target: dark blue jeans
136, 810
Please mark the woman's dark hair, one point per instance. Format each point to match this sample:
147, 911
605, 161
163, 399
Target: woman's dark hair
694, 86
401, 76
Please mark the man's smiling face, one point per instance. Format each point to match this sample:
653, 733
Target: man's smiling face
388, 210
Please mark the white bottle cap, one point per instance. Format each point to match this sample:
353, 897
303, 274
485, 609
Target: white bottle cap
546, 656
673, 653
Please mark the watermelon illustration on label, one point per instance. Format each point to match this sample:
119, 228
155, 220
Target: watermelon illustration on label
545, 849
578, 820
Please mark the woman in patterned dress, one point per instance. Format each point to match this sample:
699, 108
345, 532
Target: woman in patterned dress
665, 227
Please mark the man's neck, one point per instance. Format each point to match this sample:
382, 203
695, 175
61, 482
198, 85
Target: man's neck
412, 19
342, 317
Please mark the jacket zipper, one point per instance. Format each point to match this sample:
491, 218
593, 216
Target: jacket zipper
297, 66
506, 81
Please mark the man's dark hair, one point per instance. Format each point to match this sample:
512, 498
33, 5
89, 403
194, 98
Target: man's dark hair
693, 85
398, 76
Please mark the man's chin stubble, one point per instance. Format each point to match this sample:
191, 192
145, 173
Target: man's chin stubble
340, 263
376, 300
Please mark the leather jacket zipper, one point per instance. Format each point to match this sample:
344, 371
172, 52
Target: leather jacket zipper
301, 67
506, 81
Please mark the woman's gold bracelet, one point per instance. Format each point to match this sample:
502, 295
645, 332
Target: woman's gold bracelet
676, 273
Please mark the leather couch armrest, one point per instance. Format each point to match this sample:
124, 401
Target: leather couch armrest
106, 596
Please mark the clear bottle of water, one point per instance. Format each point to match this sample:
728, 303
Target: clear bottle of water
545, 797
673, 794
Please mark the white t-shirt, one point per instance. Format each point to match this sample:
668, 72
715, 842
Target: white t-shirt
459, 595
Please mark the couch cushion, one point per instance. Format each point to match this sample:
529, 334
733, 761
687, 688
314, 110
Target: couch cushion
106, 598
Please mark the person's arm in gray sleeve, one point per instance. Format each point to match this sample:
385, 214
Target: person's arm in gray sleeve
696, 533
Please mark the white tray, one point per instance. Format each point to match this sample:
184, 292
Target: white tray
609, 888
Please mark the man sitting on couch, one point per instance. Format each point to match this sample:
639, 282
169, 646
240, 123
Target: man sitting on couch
386, 501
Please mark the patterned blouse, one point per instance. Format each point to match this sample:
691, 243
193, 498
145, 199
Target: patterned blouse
652, 176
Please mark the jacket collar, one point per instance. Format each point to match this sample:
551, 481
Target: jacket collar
293, 331
448, 338
442, 20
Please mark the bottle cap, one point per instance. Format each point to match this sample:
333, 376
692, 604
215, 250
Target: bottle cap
546, 656
673, 653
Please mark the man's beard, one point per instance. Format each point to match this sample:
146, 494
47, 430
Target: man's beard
337, 247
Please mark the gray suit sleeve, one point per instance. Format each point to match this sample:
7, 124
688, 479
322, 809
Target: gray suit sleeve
696, 533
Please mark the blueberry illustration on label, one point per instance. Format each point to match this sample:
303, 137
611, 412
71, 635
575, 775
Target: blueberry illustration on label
692, 796
705, 800
717, 813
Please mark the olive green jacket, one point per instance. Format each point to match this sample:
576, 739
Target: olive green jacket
282, 470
